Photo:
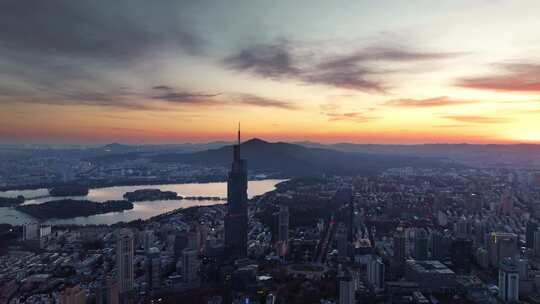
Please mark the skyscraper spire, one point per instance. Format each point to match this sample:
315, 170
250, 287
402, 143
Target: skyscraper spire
239, 133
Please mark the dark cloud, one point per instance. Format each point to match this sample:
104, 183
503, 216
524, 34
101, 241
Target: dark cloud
382, 54
117, 30
111, 101
440, 101
394, 54
162, 87
353, 71
276, 61
219, 99
347, 78
272, 61
188, 97
477, 119
520, 77
167, 97
170, 94
48, 47
266, 102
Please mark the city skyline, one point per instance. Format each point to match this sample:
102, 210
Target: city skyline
182, 71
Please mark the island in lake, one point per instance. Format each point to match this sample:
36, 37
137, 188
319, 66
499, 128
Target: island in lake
69, 208
69, 190
150, 195
145, 195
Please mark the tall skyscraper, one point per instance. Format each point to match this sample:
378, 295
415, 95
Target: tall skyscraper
480, 230
473, 202
421, 245
30, 231
440, 245
147, 239
190, 266
509, 281
506, 207
375, 272
341, 241
180, 243
346, 290
344, 196
463, 227
153, 269
283, 223
194, 240
536, 246
350, 218
532, 227
461, 255
283, 233
236, 219
523, 267
501, 245
107, 292
124, 259
399, 249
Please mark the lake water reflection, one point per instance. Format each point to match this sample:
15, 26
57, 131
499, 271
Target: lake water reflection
141, 210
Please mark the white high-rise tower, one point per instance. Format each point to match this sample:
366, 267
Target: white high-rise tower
124, 259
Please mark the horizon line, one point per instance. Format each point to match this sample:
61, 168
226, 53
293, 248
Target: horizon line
299, 142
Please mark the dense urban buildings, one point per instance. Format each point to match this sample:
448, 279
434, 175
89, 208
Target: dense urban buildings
405, 235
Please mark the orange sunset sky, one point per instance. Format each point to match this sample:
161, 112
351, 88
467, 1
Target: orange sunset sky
329, 71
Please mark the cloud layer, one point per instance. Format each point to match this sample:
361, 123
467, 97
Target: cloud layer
77, 52
170, 95
356, 70
515, 77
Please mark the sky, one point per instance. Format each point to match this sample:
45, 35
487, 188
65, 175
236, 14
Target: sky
143, 72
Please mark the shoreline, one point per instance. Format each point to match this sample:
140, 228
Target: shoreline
165, 213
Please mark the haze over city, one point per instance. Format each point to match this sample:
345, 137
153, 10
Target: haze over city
346, 71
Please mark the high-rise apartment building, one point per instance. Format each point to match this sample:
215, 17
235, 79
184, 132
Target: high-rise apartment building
124, 259
508, 281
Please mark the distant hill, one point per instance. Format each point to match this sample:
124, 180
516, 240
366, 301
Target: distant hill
115, 147
517, 155
298, 160
116, 152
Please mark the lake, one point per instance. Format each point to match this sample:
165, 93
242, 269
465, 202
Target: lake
142, 210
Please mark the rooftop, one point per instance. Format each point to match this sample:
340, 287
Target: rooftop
429, 267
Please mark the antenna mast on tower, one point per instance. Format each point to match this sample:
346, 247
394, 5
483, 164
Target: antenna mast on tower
238, 133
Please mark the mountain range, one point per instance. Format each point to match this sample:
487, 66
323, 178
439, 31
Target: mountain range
308, 158
296, 160
490, 155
